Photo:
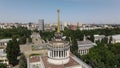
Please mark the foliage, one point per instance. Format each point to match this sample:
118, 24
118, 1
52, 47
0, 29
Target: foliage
46, 35
12, 51
74, 47
19, 32
3, 65
22, 62
103, 56
35, 54
22, 40
29, 39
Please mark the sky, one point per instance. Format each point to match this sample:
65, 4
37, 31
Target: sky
82, 11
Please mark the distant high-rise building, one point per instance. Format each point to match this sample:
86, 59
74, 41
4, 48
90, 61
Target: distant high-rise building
62, 27
41, 24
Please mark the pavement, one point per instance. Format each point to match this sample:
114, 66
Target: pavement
36, 41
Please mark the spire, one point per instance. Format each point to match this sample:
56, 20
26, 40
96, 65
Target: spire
58, 28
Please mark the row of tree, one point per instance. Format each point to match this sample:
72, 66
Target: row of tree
19, 32
78, 34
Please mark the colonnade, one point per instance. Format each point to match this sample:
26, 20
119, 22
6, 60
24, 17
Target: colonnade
58, 53
82, 52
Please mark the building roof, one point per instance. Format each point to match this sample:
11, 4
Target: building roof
116, 37
71, 63
5, 40
34, 59
85, 43
99, 36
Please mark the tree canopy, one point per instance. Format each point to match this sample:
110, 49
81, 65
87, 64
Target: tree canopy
22, 62
13, 50
3, 65
103, 56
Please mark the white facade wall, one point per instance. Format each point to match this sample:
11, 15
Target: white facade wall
41, 24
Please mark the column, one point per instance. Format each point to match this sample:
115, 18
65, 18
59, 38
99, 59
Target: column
82, 52
53, 53
67, 53
64, 53
50, 53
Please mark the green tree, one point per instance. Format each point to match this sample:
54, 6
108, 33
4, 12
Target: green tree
101, 56
22, 62
74, 47
12, 51
3, 65
22, 40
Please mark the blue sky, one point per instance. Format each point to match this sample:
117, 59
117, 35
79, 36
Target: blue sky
85, 11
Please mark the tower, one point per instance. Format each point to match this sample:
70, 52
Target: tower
41, 24
58, 49
58, 27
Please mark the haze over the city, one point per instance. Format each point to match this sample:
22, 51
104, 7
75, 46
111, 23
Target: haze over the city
83, 11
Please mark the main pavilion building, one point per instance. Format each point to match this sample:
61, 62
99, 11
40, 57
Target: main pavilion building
59, 55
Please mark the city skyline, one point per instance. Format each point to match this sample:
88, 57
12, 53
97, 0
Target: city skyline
83, 11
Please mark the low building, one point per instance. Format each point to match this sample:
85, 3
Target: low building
98, 37
34, 62
3, 42
115, 39
3, 45
3, 58
42, 62
84, 46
